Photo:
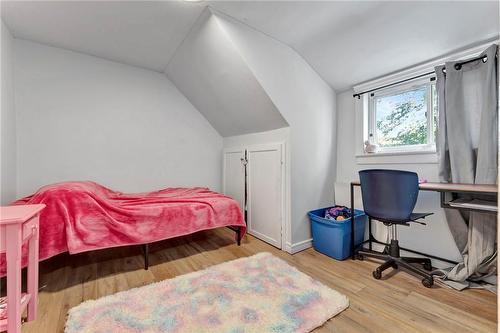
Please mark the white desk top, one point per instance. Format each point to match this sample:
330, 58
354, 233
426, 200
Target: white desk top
18, 214
454, 187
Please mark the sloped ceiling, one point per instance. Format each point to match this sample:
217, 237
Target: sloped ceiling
346, 42
211, 73
139, 33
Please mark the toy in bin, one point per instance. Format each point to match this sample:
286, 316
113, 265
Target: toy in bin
337, 213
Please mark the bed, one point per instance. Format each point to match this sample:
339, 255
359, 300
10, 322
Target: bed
86, 216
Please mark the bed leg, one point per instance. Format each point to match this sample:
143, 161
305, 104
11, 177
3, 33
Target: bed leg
238, 236
145, 249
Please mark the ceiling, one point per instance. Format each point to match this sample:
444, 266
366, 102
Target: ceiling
346, 42
144, 34
350, 42
210, 71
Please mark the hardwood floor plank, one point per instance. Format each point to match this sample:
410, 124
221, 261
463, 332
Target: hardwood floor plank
397, 303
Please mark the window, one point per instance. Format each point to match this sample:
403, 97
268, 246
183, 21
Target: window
404, 118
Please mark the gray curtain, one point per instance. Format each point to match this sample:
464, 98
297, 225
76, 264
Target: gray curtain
467, 147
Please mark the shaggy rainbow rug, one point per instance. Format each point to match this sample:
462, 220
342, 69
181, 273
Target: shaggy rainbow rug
255, 294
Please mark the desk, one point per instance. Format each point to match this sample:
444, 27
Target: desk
442, 188
18, 225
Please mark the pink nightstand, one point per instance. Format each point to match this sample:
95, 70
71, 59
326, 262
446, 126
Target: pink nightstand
19, 224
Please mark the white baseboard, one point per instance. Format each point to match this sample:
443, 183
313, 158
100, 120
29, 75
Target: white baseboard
297, 247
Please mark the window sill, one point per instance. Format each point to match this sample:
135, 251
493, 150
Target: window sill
407, 157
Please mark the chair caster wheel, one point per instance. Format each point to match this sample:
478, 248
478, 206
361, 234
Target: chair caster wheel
377, 274
428, 282
359, 257
428, 266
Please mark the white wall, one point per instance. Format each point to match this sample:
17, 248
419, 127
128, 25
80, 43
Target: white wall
85, 118
435, 238
7, 121
278, 135
308, 105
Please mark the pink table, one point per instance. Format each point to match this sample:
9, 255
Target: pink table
19, 224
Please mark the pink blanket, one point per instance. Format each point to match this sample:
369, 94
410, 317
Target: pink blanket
85, 216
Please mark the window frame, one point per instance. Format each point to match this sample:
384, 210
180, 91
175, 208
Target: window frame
371, 134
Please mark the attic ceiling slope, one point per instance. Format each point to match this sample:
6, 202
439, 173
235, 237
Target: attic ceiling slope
209, 70
138, 33
348, 42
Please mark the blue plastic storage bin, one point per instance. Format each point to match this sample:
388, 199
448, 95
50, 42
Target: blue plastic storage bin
333, 238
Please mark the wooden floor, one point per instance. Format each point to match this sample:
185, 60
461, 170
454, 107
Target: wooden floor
398, 304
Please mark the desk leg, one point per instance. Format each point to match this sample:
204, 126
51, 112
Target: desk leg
370, 233
353, 255
13, 235
33, 273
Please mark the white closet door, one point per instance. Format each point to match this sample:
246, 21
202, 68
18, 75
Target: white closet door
234, 176
265, 192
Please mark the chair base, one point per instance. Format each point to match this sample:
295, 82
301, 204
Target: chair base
392, 259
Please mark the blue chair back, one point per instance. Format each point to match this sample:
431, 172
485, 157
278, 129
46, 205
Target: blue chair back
389, 194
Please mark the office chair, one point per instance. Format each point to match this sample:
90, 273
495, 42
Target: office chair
389, 196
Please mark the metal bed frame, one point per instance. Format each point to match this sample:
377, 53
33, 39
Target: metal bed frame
145, 247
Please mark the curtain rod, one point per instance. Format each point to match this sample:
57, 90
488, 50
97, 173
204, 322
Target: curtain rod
358, 95
457, 66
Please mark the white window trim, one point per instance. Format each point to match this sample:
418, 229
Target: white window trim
415, 157
361, 111
429, 147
